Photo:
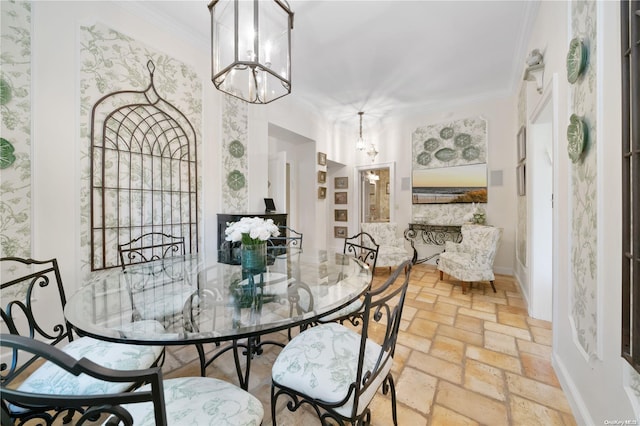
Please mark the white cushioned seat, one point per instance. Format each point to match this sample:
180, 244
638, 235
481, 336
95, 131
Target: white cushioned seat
51, 379
194, 401
322, 362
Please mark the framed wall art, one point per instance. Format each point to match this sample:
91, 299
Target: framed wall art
521, 179
342, 182
340, 231
340, 198
322, 159
322, 192
322, 176
522, 144
341, 215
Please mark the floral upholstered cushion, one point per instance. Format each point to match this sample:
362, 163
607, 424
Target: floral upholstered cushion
392, 251
472, 259
51, 379
201, 401
322, 361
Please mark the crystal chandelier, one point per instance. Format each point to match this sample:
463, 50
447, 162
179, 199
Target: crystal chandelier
251, 48
360, 144
372, 177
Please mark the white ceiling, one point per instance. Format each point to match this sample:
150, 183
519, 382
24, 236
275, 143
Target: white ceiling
390, 56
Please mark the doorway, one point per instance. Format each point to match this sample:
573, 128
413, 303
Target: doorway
542, 139
375, 193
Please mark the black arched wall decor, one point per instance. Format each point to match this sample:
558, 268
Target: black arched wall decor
143, 172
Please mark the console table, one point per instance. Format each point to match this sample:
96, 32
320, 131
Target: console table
431, 234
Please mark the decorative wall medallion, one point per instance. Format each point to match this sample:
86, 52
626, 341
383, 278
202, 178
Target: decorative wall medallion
235, 180
461, 140
470, 153
446, 133
576, 59
431, 144
5, 92
424, 158
6, 153
446, 154
576, 136
236, 149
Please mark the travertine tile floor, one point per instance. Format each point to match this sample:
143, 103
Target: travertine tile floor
461, 359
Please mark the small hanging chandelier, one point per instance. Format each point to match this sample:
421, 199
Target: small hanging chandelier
251, 48
360, 144
372, 151
372, 177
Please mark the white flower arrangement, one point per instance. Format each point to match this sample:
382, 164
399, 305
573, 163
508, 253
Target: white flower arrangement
251, 230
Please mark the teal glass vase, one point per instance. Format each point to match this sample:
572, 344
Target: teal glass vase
253, 258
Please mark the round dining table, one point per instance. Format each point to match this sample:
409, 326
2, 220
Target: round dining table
184, 300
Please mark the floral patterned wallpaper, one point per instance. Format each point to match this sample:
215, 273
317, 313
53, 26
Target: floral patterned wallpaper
584, 225
15, 100
455, 143
234, 155
111, 61
521, 225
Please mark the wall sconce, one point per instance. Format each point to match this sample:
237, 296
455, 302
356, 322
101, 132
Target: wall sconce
251, 48
535, 69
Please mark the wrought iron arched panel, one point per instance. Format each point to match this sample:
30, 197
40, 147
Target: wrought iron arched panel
143, 172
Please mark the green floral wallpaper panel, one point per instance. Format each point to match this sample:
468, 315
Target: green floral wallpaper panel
234, 155
112, 61
584, 225
15, 179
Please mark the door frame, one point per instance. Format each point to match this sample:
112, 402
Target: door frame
358, 196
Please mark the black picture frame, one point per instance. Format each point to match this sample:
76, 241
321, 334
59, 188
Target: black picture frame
269, 205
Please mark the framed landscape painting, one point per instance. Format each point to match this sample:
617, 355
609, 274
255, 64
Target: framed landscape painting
459, 184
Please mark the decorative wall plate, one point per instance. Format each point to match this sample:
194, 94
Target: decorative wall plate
576, 137
235, 180
446, 133
576, 59
6, 153
424, 158
431, 144
446, 154
470, 153
236, 149
461, 140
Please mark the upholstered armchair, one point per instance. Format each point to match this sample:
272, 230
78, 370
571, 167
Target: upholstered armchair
472, 259
392, 251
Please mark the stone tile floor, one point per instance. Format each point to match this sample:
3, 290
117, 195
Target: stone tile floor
461, 359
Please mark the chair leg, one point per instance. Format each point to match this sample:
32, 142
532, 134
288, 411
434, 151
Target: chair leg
441, 275
493, 286
464, 287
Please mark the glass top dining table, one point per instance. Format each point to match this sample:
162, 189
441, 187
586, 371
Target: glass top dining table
187, 300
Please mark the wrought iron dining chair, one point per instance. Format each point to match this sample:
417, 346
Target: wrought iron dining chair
392, 251
185, 400
337, 370
150, 246
363, 247
33, 299
471, 260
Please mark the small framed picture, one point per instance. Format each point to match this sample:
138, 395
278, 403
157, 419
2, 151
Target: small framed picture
322, 176
342, 182
322, 159
322, 192
522, 144
340, 231
521, 179
388, 188
340, 198
340, 215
